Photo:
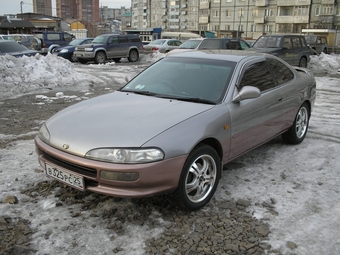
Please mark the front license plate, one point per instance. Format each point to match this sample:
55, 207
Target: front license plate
62, 175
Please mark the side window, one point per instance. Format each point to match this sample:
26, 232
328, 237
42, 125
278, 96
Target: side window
68, 37
296, 42
287, 43
244, 45
282, 73
113, 39
53, 37
258, 75
232, 45
122, 39
178, 43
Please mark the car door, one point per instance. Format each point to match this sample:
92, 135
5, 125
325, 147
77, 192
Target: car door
287, 53
112, 48
255, 121
124, 45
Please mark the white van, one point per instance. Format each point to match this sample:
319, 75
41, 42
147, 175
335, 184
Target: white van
182, 36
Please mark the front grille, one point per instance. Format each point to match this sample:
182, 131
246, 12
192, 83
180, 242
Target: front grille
80, 49
83, 170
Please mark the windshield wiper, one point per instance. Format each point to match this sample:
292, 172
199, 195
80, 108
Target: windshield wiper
195, 100
140, 92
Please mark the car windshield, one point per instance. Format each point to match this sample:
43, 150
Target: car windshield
188, 79
76, 42
210, 44
100, 39
190, 44
268, 42
157, 42
11, 47
7, 37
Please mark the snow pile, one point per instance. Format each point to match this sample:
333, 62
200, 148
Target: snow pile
325, 64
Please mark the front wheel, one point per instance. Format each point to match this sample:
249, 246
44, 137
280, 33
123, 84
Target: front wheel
297, 132
133, 56
303, 62
100, 58
199, 178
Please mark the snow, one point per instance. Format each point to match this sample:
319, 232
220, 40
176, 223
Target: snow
301, 181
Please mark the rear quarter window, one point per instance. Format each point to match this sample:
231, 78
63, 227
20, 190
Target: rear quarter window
282, 73
53, 37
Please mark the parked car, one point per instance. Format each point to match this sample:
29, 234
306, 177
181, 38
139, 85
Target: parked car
7, 37
291, 48
318, 43
172, 127
212, 43
110, 46
15, 49
26, 39
162, 45
48, 40
67, 51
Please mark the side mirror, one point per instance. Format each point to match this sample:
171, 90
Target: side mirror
247, 92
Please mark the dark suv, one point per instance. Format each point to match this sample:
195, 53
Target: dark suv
110, 46
49, 40
291, 48
318, 43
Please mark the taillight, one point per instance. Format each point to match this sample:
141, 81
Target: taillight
44, 45
155, 48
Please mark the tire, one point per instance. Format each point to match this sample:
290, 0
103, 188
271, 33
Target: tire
82, 61
297, 132
133, 56
199, 179
325, 50
73, 58
100, 58
116, 59
303, 62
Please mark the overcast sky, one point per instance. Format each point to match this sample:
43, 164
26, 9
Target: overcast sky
14, 7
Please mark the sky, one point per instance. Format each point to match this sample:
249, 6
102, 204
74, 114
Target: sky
303, 180
14, 7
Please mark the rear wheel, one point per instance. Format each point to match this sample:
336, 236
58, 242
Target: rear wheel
199, 178
303, 62
133, 56
100, 58
297, 132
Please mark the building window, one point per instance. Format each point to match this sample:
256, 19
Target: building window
327, 10
255, 12
317, 11
216, 13
301, 10
268, 12
228, 13
227, 27
253, 28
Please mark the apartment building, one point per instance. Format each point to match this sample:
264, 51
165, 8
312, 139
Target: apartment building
42, 7
245, 18
87, 11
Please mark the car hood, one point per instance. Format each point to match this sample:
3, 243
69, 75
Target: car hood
119, 119
21, 53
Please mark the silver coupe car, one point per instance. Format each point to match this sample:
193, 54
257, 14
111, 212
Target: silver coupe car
172, 127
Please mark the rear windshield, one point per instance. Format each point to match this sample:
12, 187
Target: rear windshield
11, 47
190, 44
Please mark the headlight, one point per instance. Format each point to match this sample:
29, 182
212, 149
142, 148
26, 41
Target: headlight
64, 51
44, 135
127, 156
88, 49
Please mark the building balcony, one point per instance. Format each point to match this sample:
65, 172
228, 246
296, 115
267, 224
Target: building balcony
261, 3
174, 27
174, 13
293, 2
174, 20
260, 19
203, 20
327, 2
292, 19
204, 5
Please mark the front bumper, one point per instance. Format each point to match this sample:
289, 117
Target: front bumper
83, 54
154, 178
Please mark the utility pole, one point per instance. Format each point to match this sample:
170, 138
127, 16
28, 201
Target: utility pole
21, 3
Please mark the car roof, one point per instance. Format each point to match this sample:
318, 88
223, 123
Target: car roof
225, 55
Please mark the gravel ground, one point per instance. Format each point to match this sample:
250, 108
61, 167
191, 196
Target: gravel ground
224, 228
